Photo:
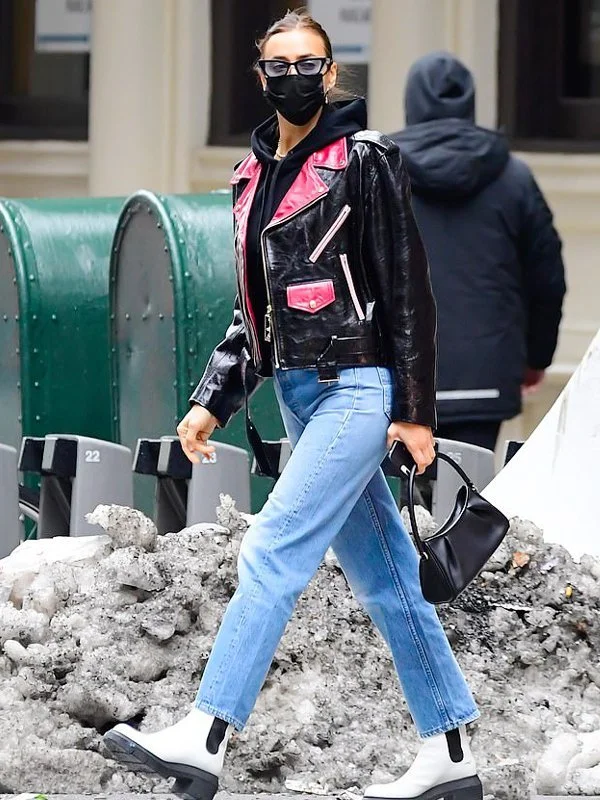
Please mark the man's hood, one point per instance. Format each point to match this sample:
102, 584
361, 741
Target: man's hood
439, 86
445, 153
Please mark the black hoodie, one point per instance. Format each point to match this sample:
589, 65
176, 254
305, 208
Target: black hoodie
495, 257
337, 120
445, 153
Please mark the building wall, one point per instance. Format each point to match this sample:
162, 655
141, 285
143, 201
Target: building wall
149, 120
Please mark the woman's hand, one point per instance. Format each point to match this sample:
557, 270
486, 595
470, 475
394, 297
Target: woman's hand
418, 440
194, 431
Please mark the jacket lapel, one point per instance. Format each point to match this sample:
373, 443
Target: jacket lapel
250, 170
308, 185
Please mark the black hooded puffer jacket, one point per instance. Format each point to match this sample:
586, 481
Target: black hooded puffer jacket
494, 254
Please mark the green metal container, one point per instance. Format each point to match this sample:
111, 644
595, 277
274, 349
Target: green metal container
54, 332
173, 286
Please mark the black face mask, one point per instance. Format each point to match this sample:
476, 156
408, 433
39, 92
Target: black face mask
296, 97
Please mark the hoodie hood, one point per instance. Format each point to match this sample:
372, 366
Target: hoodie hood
445, 153
337, 120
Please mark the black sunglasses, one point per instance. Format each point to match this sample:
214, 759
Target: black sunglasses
278, 68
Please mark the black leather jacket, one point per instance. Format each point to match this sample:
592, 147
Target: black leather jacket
344, 264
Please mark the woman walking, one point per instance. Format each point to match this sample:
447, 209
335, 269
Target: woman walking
334, 303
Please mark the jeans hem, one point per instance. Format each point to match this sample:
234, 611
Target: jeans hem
450, 726
217, 712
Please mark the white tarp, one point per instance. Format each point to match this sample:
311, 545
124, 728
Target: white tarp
63, 26
554, 479
348, 23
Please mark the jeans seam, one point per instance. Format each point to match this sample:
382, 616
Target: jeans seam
290, 517
402, 597
288, 402
384, 395
243, 615
296, 417
310, 483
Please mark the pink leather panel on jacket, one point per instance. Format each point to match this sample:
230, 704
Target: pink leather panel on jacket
311, 297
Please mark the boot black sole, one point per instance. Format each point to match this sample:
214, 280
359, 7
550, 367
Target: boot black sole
191, 783
463, 789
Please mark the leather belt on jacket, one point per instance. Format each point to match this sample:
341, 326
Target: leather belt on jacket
347, 351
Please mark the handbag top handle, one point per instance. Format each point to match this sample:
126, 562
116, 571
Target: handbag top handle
411, 497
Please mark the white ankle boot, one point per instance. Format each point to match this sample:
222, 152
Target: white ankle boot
444, 767
192, 751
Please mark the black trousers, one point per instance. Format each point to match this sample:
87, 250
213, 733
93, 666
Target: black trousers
480, 433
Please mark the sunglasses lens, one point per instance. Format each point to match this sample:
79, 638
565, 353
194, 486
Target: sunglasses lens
309, 66
275, 69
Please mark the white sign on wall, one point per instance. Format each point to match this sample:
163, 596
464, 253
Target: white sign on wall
63, 26
348, 23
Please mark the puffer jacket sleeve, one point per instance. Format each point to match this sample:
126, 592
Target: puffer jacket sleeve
543, 274
398, 271
221, 389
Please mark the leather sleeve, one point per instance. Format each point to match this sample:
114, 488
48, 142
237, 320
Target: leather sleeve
221, 389
398, 271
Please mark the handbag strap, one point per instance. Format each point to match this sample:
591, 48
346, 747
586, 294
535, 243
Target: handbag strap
254, 438
411, 497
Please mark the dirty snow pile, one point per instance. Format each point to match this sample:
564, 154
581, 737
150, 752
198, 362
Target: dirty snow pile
118, 627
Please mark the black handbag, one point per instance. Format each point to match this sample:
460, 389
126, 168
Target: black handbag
458, 551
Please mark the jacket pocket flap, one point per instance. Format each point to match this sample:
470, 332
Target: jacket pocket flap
311, 297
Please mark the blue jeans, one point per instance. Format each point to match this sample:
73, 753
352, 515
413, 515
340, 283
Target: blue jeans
332, 492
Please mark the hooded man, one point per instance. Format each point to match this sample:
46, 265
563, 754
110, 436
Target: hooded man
494, 254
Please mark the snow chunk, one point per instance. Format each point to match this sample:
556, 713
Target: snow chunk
125, 526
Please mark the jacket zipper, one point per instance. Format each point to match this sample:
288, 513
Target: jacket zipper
341, 218
270, 326
351, 286
268, 331
255, 343
245, 305
254, 336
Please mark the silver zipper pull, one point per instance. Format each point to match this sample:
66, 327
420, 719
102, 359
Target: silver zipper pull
268, 324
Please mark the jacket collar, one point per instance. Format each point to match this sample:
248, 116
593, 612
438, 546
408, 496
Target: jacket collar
304, 191
309, 186
246, 170
332, 156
